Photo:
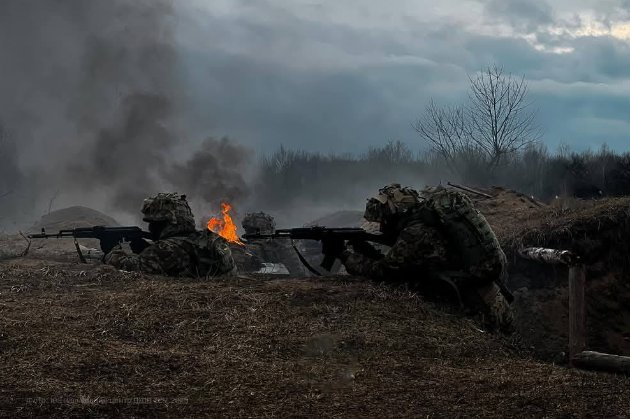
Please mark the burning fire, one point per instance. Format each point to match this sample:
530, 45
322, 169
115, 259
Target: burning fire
225, 227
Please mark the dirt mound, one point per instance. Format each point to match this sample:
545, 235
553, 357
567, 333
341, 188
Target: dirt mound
592, 230
63, 250
599, 232
79, 340
73, 217
505, 208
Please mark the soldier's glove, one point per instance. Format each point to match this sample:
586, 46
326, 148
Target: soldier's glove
138, 245
365, 249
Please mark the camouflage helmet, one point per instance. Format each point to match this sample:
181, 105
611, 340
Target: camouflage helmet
391, 200
258, 223
171, 208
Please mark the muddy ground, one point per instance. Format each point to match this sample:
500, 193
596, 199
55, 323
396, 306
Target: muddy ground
82, 340
87, 340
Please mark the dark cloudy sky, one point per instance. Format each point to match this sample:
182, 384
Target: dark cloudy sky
346, 75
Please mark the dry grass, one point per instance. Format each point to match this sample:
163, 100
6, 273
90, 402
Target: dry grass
77, 341
568, 223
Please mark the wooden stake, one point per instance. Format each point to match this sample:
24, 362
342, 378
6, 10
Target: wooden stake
602, 362
553, 256
577, 312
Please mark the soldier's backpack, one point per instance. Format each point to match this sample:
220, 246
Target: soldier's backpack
468, 230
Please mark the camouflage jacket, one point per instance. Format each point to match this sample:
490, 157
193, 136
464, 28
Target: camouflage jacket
200, 254
445, 232
447, 239
420, 256
418, 248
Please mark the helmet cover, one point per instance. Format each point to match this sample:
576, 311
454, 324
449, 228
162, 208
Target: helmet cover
258, 223
391, 200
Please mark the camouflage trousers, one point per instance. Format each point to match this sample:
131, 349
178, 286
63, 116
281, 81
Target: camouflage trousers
497, 312
484, 301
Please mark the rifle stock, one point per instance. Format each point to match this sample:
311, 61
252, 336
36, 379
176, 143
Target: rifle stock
108, 236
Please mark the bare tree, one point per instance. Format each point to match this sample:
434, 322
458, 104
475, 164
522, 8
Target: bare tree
445, 128
496, 122
501, 119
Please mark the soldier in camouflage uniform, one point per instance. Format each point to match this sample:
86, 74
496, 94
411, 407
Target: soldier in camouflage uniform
438, 237
177, 248
268, 250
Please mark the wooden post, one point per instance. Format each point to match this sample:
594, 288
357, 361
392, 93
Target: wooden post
577, 279
603, 362
577, 310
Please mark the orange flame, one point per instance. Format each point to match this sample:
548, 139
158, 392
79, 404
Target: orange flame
225, 227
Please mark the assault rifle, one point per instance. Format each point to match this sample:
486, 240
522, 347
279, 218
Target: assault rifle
333, 240
108, 236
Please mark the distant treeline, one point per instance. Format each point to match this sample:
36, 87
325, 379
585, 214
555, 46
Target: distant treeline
299, 176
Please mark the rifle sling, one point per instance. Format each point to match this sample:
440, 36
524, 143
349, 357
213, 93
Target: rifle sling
304, 261
81, 257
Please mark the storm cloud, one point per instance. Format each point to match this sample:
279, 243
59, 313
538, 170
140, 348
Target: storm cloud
524, 15
347, 75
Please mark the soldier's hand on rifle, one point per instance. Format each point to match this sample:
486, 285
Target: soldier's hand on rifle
332, 249
138, 245
107, 246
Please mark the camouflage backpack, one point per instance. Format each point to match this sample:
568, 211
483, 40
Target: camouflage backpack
211, 254
470, 232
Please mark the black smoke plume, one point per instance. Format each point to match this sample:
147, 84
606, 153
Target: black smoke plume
91, 99
215, 173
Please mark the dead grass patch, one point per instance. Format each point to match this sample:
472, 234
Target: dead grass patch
77, 342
